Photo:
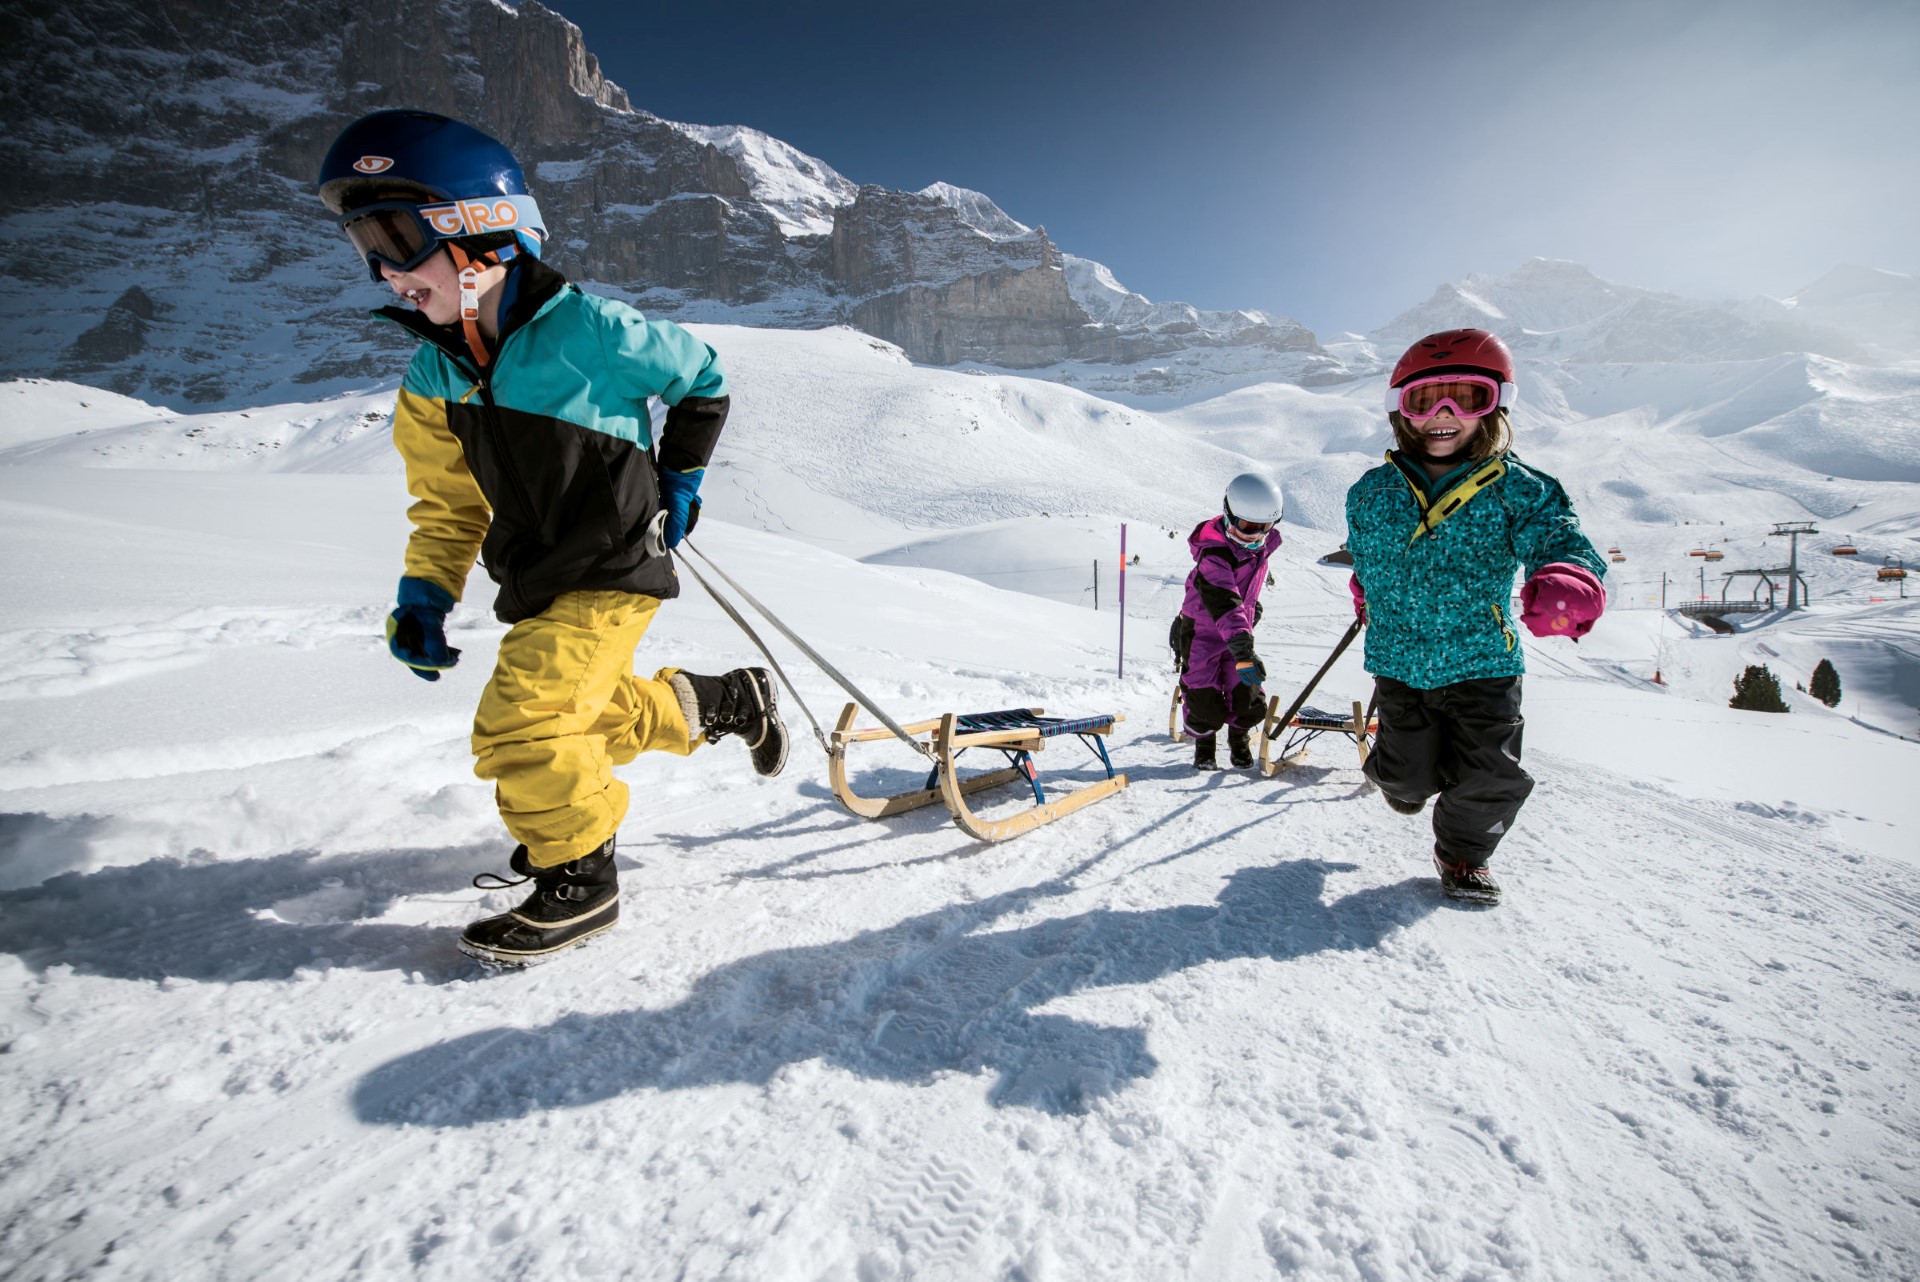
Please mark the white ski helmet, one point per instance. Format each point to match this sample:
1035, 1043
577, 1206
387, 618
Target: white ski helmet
1253, 500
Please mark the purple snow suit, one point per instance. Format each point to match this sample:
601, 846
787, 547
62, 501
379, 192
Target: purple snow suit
1223, 592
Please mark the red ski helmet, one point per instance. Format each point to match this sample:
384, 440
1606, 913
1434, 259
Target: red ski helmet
1455, 349
1452, 353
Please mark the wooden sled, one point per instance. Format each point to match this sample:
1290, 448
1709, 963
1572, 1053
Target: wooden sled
1303, 727
1175, 731
1016, 732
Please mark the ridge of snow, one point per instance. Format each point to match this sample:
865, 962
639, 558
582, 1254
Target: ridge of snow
801, 191
978, 211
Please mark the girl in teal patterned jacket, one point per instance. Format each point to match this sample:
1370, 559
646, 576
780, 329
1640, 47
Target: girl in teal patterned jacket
1436, 533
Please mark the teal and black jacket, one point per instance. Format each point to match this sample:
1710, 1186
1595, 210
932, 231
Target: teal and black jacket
543, 463
1437, 561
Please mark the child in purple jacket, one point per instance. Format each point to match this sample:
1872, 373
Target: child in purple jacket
1221, 683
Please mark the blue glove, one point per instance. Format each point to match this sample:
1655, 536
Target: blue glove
679, 495
417, 631
1251, 671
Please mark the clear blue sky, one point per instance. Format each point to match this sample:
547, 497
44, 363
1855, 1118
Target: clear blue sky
1335, 161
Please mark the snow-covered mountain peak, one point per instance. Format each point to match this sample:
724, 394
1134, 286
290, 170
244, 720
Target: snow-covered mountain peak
1450, 306
978, 211
1880, 309
1552, 273
1850, 281
1554, 309
800, 191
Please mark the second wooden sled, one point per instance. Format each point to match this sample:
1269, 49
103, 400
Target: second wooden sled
1016, 732
1306, 725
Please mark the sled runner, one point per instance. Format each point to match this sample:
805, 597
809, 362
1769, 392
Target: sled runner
1016, 732
1180, 641
1306, 725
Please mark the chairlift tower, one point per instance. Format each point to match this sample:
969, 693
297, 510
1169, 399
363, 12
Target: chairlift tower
1793, 530
1895, 571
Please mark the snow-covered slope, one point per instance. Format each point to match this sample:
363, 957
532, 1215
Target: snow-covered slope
1214, 1027
838, 440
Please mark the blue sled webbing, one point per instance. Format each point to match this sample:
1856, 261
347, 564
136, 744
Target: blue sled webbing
1088, 728
1021, 719
1315, 719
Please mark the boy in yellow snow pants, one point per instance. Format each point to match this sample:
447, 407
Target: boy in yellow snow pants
524, 421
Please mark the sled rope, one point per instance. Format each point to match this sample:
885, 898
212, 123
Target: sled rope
834, 673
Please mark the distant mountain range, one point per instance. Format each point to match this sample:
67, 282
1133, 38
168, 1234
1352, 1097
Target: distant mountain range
160, 237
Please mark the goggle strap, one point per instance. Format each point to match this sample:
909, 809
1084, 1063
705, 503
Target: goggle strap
470, 301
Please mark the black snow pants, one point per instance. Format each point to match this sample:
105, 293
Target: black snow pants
1207, 709
1461, 741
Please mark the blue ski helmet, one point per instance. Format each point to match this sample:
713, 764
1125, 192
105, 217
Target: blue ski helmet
400, 182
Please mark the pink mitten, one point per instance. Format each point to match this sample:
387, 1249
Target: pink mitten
1359, 597
1561, 600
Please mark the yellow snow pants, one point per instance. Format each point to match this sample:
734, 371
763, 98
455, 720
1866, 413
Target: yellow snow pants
562, 710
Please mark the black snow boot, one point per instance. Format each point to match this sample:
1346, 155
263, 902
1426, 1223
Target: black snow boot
1239, 749
1404, 807
1203, 758
742, 703
1471, 883
570, 904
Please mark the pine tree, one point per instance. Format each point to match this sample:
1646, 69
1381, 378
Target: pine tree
1757, 690
1826, 684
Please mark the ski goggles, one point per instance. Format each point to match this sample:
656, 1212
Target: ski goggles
1466, 395
1248, 533
402, 234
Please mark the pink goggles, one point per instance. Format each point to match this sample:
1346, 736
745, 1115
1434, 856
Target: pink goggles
1466, 395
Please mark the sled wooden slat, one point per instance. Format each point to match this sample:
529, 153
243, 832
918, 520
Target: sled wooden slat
947, 738
1024, 739
849, 735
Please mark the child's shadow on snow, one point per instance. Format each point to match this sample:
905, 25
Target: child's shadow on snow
241, 919
929, 995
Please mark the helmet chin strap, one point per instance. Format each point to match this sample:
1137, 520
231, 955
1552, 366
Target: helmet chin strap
470, 269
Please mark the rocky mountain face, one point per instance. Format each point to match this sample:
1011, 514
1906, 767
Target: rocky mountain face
160, 238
